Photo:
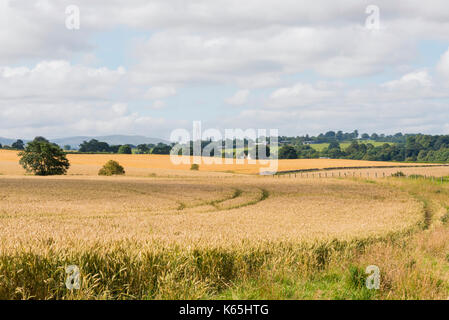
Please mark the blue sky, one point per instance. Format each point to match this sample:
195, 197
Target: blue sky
149, 67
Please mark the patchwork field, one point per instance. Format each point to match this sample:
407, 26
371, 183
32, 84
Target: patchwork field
165, 233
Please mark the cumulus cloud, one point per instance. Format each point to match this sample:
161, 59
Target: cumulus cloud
301, 94
443, 66
158, 104
239, 98
159, 92
57, 79
253, 45
410, 81
57, 98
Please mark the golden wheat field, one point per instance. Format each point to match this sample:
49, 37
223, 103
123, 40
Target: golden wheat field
138, 165
213, 211
160, 232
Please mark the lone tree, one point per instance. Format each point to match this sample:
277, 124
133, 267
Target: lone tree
44, 158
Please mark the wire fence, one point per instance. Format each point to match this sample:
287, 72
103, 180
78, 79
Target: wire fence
359, 174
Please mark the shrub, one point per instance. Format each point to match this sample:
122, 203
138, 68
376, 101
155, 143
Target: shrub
398, 174
194, 167
111, 168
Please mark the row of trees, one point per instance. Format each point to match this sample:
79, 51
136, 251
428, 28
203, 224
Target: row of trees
18, 145
415, 148
341, 136
95, 146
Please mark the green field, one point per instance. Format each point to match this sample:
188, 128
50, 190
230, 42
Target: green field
321, 146
344, 145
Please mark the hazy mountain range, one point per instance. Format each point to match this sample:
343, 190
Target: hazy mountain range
74, 142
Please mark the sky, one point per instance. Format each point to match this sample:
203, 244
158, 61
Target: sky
148, 67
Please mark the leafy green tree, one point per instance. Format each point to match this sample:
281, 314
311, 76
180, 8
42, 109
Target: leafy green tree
41, 139
125, 149
44, 158
94, 146
67, 147
306, 152
365, 136
143, 148
340, 135
19, 145
287, 152
114, 148
334, 145
162, 148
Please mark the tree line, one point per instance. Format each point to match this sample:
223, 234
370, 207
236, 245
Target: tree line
95, 146
424, 148
341, 136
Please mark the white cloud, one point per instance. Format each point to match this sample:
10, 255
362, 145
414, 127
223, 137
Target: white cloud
59, 79
443, 66
301, 94
57, 98
35, 29
120, 109
239, 98
410, 81
159, 92
279, 46
158, 104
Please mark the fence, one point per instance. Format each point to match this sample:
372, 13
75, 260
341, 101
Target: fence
355, 174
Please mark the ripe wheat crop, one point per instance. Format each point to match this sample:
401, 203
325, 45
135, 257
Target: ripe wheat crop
143, 164
196, 235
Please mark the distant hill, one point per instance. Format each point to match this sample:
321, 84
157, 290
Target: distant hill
74, 142
6, 141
